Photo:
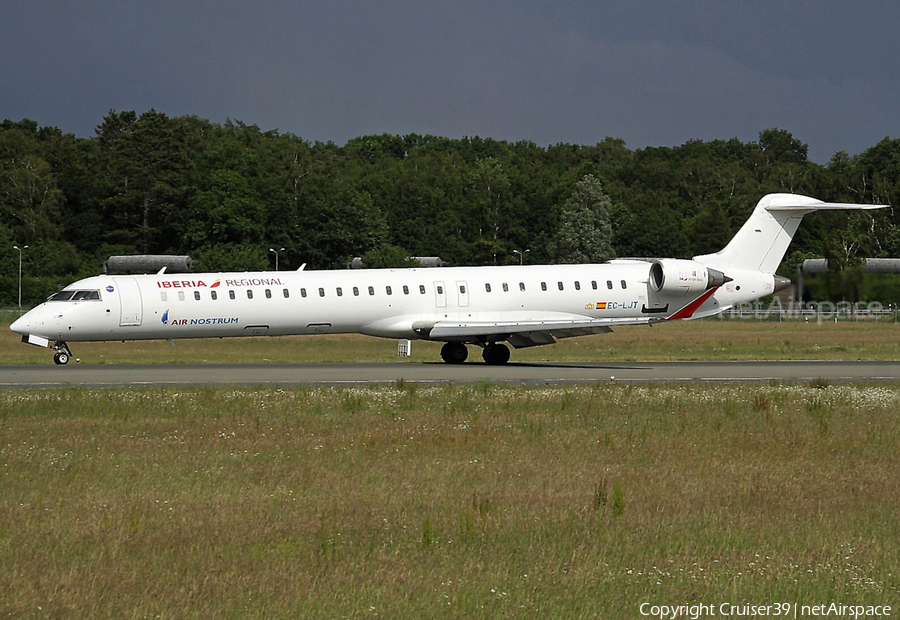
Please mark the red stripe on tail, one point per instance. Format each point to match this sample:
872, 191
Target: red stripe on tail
689, 310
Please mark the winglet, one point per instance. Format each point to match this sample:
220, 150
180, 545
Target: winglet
689, 310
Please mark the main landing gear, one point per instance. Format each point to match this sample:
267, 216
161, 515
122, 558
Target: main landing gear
454, 352
62, 355
495, 353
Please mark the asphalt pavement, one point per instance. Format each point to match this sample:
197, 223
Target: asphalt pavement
537, 373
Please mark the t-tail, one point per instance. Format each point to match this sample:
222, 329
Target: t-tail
744, 270
762, 241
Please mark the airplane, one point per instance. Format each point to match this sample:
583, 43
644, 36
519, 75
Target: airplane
460, 306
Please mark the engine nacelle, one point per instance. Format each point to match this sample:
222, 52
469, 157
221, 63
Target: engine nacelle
671, 275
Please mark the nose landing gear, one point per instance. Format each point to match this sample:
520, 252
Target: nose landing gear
62, 355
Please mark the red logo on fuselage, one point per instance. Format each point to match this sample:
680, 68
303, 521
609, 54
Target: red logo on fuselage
181, 284
202, 284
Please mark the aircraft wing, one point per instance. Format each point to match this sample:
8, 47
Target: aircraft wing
521, 334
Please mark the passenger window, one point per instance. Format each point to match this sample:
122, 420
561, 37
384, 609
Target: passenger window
594, 284
609, 284
340, 292
543, 286
231, 294
371, 290
522, 286
163, 296
462, 289
560, 285
405, 290
268, 293
321, 292
487, 287
505, 287
249, 294
387, 289
197, 295
287, 293
180, 295
356, 291
302, 292
624, 286
440, 290
577, 285
422, 288
213, 295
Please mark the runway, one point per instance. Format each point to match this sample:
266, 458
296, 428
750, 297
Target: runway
538, 373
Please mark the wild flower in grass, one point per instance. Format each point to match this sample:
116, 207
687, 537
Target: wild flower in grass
819, 383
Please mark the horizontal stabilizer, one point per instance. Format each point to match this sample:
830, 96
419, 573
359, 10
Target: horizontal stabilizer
823, 206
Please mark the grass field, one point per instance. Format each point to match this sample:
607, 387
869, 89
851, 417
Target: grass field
476, 501
689, 340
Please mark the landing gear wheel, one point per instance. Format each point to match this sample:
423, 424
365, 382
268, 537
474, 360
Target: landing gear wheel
495, 354
62, 355
454, 353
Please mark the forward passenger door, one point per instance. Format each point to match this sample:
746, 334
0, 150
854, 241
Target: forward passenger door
130, 302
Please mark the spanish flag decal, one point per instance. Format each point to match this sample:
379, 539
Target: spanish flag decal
601, 305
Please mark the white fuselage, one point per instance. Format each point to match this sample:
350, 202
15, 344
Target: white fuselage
382, 302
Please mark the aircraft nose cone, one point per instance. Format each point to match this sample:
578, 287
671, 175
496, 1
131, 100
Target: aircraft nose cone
19, 325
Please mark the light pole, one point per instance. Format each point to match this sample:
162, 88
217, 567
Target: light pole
521, 256
276, 255
24, 247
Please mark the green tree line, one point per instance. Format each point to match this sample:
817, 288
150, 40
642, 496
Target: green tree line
226, 193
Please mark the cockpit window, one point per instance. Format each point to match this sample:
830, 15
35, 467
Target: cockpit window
86, 295
76, 296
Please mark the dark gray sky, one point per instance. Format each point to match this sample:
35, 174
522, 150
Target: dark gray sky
652, 73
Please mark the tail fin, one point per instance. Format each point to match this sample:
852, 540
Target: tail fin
764, 238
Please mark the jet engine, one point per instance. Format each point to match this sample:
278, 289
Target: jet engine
671, 275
